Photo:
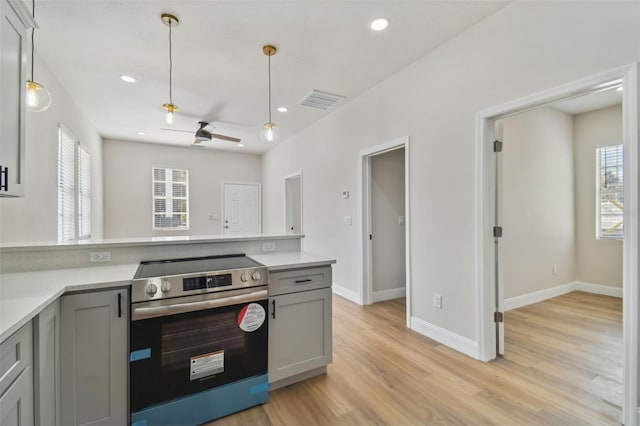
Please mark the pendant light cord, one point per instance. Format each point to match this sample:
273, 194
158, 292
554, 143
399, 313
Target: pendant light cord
170, 63
33, 34
270, 89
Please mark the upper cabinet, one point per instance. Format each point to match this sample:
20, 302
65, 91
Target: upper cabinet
16, 20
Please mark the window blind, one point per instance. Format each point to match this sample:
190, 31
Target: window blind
170, 198
610, 192
84, 194
66, 185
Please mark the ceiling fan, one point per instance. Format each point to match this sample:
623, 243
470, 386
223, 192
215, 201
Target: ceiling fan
203, 135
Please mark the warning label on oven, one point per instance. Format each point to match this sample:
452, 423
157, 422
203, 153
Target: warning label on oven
207, 365
251, 317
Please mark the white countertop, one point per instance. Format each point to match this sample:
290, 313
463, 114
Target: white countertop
23, 295
287, 260
146, 241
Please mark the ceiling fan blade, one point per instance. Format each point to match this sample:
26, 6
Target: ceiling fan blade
177, 130
225, 138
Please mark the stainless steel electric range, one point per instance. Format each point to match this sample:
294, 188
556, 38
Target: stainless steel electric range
198, 339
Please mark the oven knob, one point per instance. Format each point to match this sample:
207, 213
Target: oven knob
256, 275
244, 277
151, 289
166, 286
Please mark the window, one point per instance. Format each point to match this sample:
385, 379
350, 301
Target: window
170, 198
609, 196
74, 188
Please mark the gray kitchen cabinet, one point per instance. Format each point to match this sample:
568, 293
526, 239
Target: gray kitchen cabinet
94, 342
16, 19
46, 366
300, 334
16, 378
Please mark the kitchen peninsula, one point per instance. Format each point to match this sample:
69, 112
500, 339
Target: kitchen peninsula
43, 287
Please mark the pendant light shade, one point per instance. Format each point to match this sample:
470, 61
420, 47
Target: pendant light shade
170, 21
38, 98
270, 131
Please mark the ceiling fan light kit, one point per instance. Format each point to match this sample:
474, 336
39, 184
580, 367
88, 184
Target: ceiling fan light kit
170, 21
38, 97
270, 131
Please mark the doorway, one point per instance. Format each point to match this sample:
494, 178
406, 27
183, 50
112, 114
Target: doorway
242, 207
488, 208
385, 232
293, 203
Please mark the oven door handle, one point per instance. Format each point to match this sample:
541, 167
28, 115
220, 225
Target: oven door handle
180, 308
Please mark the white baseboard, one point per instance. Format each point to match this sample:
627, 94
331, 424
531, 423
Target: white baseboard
392, 293
606, 290
539, 296
446, 337
351, 295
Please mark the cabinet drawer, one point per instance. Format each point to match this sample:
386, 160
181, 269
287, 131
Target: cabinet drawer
15, 356
295, 280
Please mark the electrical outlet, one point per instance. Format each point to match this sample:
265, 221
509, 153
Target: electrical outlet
100, 256
437, 300
269, 246
555, 269
347, 221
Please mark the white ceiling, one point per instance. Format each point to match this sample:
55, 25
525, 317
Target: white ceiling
220, 72
590, 102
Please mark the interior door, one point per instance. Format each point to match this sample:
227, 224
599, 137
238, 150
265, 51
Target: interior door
242, 208
499, 277
293, 204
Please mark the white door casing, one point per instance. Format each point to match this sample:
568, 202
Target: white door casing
242, 208
487, 268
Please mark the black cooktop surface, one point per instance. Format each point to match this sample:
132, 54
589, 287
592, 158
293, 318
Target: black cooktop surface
163, 268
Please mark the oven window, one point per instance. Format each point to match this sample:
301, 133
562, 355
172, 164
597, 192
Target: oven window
188, 353
182, 337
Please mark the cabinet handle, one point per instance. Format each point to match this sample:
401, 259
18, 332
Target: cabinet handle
273, 308
4, 178
119, 305
308, 280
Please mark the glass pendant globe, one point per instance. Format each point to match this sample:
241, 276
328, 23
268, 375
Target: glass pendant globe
270, 132
38, 98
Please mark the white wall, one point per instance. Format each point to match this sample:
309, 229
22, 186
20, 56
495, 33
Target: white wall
598, 261
127, 185
524, 48
538, 201
35, 217
387, 204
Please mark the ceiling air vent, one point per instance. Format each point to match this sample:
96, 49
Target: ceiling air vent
321, 100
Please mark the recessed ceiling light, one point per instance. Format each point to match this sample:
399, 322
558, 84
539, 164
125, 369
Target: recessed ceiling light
379, 24
141, 133
128, 78
240, 145
619, 89
282, 109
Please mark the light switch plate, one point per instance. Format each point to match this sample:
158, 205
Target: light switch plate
269, 246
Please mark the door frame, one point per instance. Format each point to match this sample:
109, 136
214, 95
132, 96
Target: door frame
485, 216
222, 193
284, 180
364, 177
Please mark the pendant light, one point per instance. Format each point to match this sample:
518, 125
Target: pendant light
38, 98
270, 131
170, 21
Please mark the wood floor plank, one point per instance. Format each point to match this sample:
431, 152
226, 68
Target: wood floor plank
562, 365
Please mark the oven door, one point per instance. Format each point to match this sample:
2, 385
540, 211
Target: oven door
195, 344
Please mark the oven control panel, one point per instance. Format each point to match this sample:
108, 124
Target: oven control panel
199, 283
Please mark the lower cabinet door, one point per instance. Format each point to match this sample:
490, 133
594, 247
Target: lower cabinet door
299, 333
16, 405
94, 340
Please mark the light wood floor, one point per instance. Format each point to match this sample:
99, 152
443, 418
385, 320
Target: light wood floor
563, 365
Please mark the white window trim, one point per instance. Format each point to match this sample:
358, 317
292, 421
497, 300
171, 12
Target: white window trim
153, 204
